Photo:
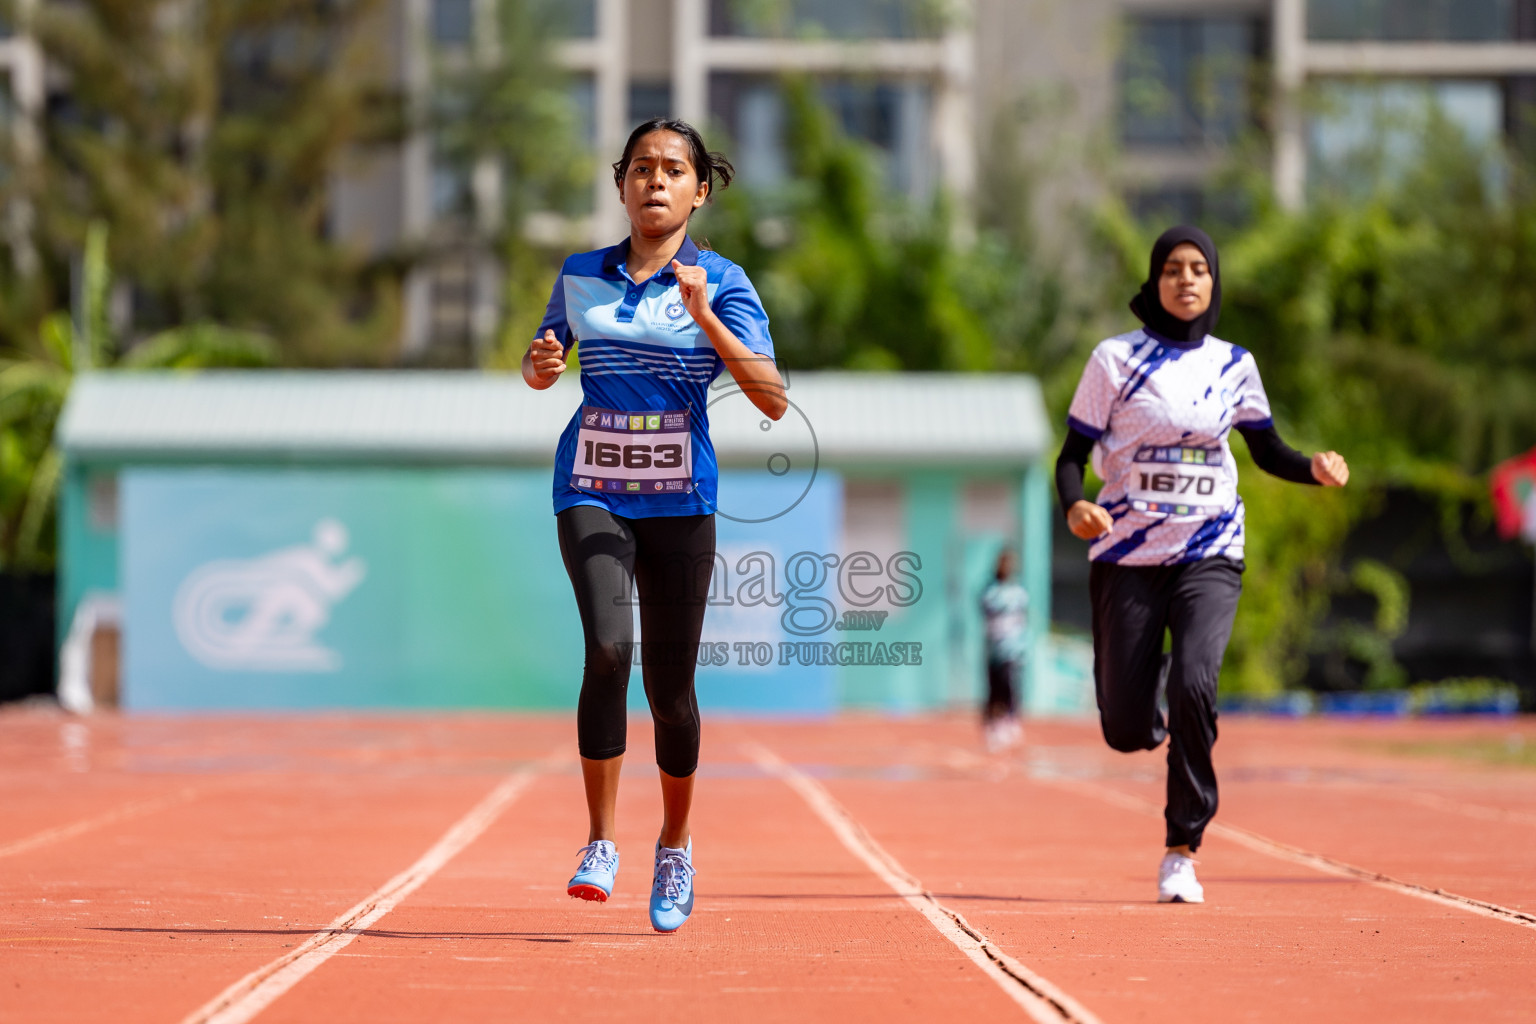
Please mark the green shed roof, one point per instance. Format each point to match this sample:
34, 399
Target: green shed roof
410, 416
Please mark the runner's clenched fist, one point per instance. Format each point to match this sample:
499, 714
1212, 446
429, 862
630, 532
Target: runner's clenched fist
544, 362
693, 282
1330, 469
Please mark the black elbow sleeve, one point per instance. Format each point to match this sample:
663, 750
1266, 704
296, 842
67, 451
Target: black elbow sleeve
1275, 457
1071, 465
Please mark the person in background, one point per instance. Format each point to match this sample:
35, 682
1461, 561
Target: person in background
1004, 605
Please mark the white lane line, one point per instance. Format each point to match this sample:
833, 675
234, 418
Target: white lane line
256, 991
1436, 802
1037, 997
49, 836
1296, 855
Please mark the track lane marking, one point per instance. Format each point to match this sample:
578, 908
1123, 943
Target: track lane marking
253, 993
1296, 855
1036, 996
1436, 802
59, 833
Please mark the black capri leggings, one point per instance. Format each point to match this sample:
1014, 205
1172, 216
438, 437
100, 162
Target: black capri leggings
1132, 606
669, 559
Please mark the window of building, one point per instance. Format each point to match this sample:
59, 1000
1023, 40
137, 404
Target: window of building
451, 193
1364, 133
648, 100
1188, 80
452, 306
892, 116
1412, 20
578, 17
1159, 206
453, 22
827, 19
452, 198
575, 19
582, 91
7, 116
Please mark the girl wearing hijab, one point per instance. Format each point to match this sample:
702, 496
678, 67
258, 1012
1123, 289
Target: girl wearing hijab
1154, 408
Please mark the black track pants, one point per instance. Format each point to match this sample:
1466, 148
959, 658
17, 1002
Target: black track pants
669, 559
1002, 690
1132, 605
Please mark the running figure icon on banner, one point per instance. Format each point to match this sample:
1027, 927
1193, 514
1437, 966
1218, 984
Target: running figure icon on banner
262, 614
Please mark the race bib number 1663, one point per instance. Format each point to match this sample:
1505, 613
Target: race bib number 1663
633, 452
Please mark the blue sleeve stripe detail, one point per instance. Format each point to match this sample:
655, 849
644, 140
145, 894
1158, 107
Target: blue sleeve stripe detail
587, 264
1237, 356
1084, 429
1206, 537
1129, 544
1263, 424
738, 306
555, 318
1143, 373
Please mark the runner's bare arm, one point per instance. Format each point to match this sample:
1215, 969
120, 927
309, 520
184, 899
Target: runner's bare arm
758, 377
544, 361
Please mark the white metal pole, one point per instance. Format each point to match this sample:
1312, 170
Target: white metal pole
610, 80
1290, 157
690, 70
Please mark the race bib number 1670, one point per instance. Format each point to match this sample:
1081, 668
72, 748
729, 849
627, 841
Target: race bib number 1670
633, 452
1179, 482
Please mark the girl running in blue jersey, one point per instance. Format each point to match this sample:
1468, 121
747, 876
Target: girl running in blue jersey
657, 320
1154, 408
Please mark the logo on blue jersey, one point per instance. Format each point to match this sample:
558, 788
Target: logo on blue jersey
675, 311
591, 419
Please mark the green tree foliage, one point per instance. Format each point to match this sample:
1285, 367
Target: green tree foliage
33, 390
510, 106
207, 136
852, 274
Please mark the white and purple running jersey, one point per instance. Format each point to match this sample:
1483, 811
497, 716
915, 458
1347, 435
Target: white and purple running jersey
1161, 412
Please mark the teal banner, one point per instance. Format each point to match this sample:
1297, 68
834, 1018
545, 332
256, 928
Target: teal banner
402, 588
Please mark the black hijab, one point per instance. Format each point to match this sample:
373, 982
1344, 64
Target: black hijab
1148, 307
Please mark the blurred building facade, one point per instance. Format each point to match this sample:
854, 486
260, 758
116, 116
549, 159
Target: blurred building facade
1147, 97
1150, 96
21, 99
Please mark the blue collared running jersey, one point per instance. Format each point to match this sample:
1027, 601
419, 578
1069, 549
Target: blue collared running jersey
642, 354
1161, 413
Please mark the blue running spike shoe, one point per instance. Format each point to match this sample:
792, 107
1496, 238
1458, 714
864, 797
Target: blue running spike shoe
672, 894
594, 878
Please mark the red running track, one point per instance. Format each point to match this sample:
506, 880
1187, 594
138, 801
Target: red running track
394, 868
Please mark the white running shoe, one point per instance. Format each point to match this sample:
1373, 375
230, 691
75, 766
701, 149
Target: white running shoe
1176, 880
